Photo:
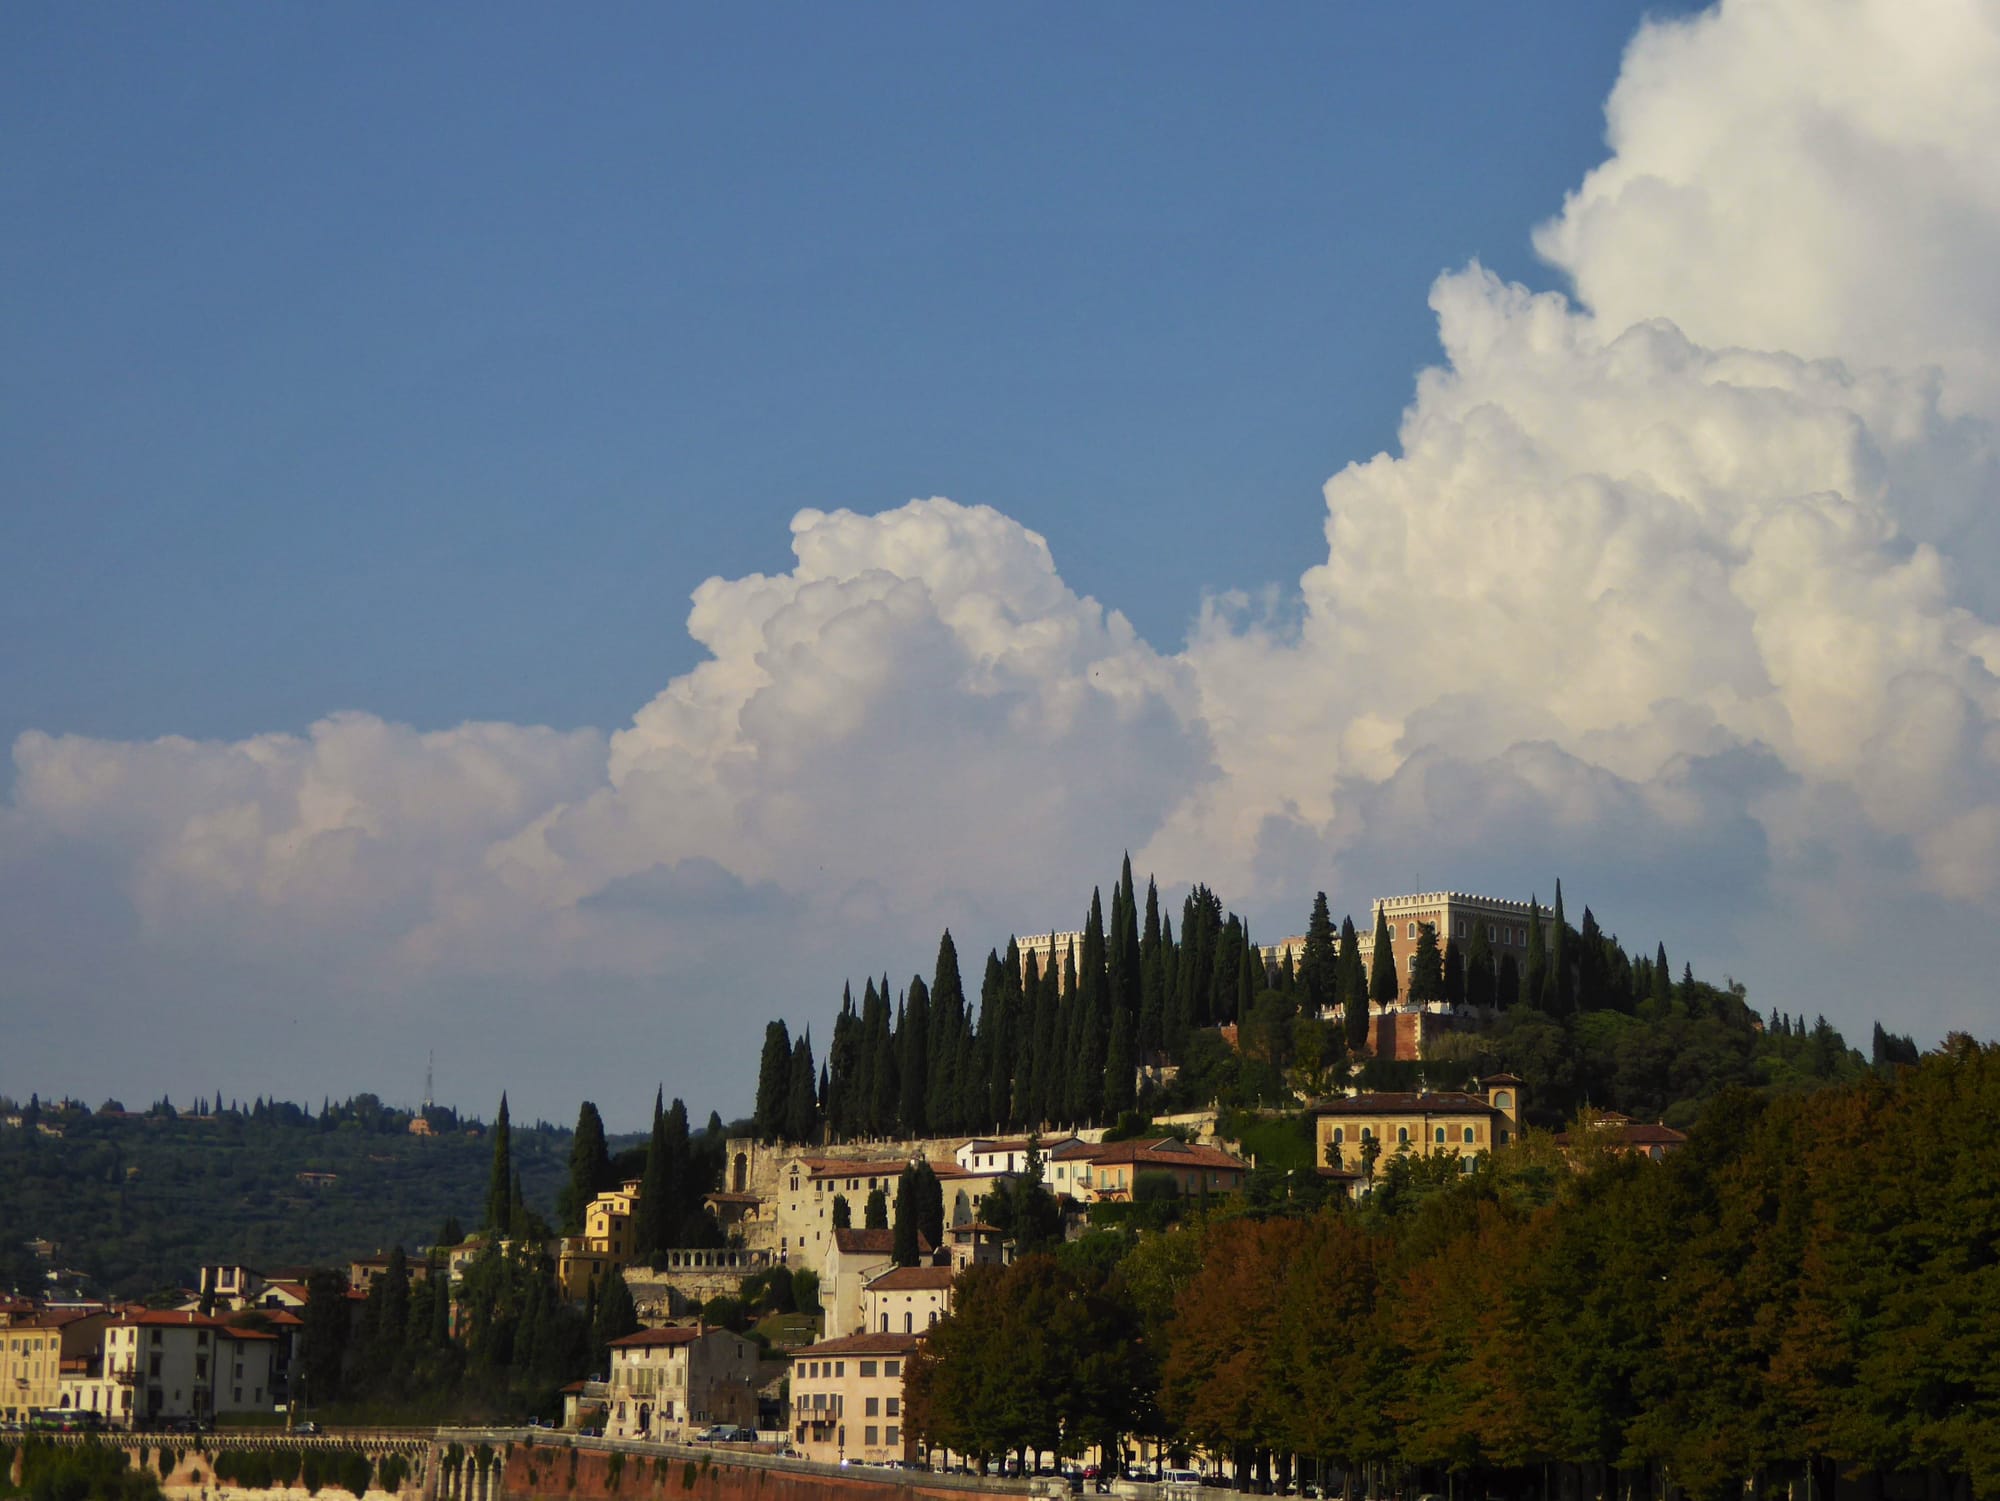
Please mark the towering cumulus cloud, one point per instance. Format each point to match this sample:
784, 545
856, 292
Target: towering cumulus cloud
1678, 585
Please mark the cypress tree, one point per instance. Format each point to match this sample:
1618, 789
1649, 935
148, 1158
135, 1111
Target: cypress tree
500, 1180
1382, 984
802, 1096
843, 1054
1317, 962
843, 1215
1353, 988
1127, 995
1427, 966
947, 1021
875, 1213
1120, 1068
1036, 1024
1479, 979
1592, 972
914, 1039
1536, 978
684, 1185
1005, 1046
1663, 980
589, 1169
884, 1079
903, 1250
1092, 1020
1555, 984
1152, 979
650, 1232
1454, 972
1507, 989
774, 1077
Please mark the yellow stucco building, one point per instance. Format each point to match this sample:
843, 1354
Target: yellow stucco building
606, 1245
1463, 1123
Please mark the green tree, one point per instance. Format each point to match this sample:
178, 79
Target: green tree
1353, 988
1382, 986
652, 1230
1556, 986
1480, 981
1427, 966
589, 1170
500, 1181
843, 1214
875, 1213
774, 1083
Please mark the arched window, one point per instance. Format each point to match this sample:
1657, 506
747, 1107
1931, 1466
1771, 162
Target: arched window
1413, 930
1339, 1135
906, 1323
1367, 1133
1468, 1136
1439, 1138
885, 1323
1402, 1136
1503, 1100
933, 1318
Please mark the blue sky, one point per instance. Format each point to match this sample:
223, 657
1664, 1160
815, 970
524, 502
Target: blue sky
424, 361
460, 580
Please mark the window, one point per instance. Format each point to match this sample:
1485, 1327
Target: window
867, 1367
885, 1323
1461, 927
868, 1436
1339, 1135
906, 1323
1492, 933
1402, 1136
1502, 1100
840, 1368
1468, 1136
894, 1434
1413, 930
892, 1368
873, 1408
933, 1318
1367, 1133
893, 1407
1439, 1138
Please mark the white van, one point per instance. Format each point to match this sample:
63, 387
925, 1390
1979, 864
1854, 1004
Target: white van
1180, 1477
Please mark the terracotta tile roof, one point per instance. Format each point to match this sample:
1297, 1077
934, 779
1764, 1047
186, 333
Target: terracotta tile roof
834, 1167
860, 1344
235, 1332
913, 1279
168, 1318
852, 1242
679, 1334
1166, 1151
1444, 1102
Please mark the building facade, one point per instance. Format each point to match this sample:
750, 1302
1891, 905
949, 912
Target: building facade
907, 1299
847, 1398
667, 1382
1463, 1123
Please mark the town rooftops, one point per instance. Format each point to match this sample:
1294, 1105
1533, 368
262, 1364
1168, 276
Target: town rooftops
1163, 1151
835, 1167
860, 1344
168, 1318
1404, 1102
903, 1279
852, 1242
678, 1334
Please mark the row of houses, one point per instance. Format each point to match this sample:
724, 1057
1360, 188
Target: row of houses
136, 1366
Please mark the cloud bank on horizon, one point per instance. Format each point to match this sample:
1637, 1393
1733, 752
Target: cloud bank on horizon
1680, 588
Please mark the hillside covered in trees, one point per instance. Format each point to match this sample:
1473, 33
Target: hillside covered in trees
140, 1202
1584, 1021
1808, 1287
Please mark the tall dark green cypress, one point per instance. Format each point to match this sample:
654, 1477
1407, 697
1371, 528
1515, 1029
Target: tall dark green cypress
1479, 978
843, 1057
650, 1233
947, 1022
774, 1077
1427, 966
802, 1094
1663, 980
1093, 1020
1353, 988
1556, 988
500, 1180
1128, 993
1002, 1034
1317, 963
914, 1038
1535, 980
589, 1170
1152, 980
1454, 971
1382, 983
1036, 1024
